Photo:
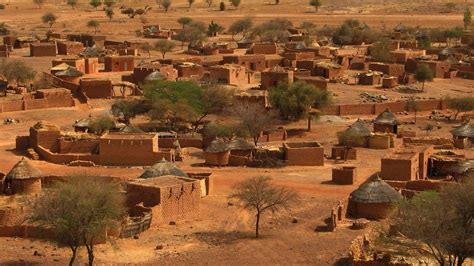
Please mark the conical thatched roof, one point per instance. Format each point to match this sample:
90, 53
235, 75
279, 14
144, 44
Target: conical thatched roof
131, 129
399, 28
359, 128
300, 46
446, 51
23, 170
45, 126
386, 118
155, 75
466, 130
452, 60
375, 191
217, 146
245, 40
240, 145
84, 123
163, 168
60, 67
70, 72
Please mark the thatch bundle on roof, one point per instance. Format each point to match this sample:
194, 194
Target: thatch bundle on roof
217, 146
387, 118
23, 170
45, 126
464, 131
375, 191
163, 168
359, 128
240, 144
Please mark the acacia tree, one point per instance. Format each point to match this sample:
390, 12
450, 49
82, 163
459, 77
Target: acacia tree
464, 104
241, 26
164, 46
79, 211
49, 18
166, 4
194, 34
17, 70
213, 29
259, 195
40, 3
423, 73
209, 3
440, 224
109, 12
72, 3
254, 119
147, 48
127, 110
235, 3
93, 24
413, 106
95, 3
316, 4
184, 21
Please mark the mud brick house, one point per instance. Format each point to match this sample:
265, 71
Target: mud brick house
389, 82
245, 43
96, 87
70, 74
394, 70
345, 175
401, 166
386, 122
141, 72
402, 56
318, 82
131, 149
91, 65
264, 48
241, 152
115, 45
88, 40
251, 62
69, 47
236, 75
4, 51
373, 200
78, 63
119, 63
271, 78
189, 70
272, 60
439, 68
43, 49
290, 58
304, 153
168, 198
328, 70
371, 78
359, 63
253, 96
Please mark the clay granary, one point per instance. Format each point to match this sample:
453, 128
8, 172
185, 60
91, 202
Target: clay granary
23, 178
142, 72
463, 136
217, 153
386, 122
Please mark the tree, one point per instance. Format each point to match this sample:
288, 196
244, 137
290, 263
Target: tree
127, 110
254, 119
209, 3
49, 18
259, 195
428, 128
95, 3
213, 29
440, 224
316, 4
184, 21
350, 139
40, 3
109, 12
413, 106
423, 73
215, 99
275, 30
308, 27
241, 26
101, 125
17, 70
164, 46
450, 6
235, 3
222, 6
294, 101
464, 104
4, 29
147, 48
194, 34
190, 2
93, 24
109, 3
166, 4
467, 18
380, 51
72, 3
223, 131
79, 211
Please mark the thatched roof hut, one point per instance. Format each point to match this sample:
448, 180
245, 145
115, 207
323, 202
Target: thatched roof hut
155, 76
359, 128
70, 72
131, 129
23, 170
163, 168
464, 131
45, 126
217, 146
240, 144
387, 118
375, 191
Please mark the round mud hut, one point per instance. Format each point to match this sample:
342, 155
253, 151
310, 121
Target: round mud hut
23, 178
356, 135
163, 168
217, 153
373, 200
463, 136
240, 151
386, 122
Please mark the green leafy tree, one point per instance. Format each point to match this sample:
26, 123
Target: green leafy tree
467, 17
109, 3
95, 3
275, 30
49, 18
423, 73
259, 195
184, 21
109, 12
72, 3
166, 4
79, 211
235, 3
380, 51
17, 70
40, 3
164, 46
101, 125
241, 26
316, 4
464, 104
93, 24
222, 6
213, 29
294, 101
223, 131
126, 110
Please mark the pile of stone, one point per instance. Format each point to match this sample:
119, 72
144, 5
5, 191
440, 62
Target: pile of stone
374, 98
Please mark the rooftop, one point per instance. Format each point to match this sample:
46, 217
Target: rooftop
128, 136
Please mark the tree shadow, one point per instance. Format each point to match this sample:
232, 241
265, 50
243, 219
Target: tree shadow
19, 263
214, 238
